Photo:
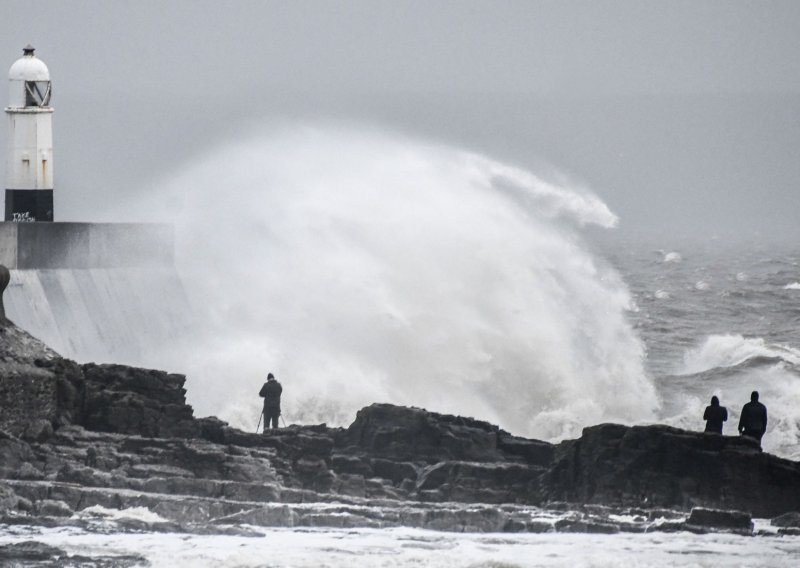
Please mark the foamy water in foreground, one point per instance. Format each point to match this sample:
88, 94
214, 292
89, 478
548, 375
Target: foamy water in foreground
400, 548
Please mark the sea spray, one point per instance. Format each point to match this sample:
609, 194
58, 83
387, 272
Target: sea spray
361, 267
731, 366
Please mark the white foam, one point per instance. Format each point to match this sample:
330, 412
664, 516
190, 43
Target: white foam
406, 548
733, 349
673, 257
137, 513
362, 267
792, 286
776, 383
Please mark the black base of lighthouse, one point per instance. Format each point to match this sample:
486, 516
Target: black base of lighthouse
29, 205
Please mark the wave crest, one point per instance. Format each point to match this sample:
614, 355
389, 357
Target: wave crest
724, 351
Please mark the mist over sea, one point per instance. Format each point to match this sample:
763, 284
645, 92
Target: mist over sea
364, 266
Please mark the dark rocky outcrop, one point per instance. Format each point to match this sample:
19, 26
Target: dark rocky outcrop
31, 553
660, 466
714, 519
28, 392
118, 437
787, 520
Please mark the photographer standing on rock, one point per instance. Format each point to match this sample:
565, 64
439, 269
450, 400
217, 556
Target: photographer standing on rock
271, 392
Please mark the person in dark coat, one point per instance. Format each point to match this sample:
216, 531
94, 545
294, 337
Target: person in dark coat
714, 416
753, 421
271, 392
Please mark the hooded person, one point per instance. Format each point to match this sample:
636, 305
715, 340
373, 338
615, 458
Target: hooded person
753, 421
714, 416
271, 392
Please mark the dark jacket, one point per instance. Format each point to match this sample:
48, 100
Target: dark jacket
714, 416
753, 419
271, 391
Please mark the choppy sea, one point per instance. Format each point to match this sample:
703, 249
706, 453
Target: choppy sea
719, 319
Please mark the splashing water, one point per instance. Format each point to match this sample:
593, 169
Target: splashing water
730, 350
362, 267
732, 366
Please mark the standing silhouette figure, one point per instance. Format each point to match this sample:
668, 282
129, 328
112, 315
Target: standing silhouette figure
271, 391
714, 416
753, 421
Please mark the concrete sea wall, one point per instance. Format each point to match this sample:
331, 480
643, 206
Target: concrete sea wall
99, 314
95, 291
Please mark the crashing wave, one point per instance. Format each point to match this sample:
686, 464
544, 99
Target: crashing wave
719, 351
361, 267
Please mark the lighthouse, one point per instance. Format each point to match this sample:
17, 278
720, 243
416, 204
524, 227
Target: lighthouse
84, 288
29, 161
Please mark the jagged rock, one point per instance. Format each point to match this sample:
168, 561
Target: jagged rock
19, 347
514, 526
259, 492
787, 520
37, 431
656, 514
395, 471
13, 454
53, 508
128, 400
481, 482
28, 395
349, 484
538, 527
716, 519
24, 505
661, 466
8, 499
377, 488
29, 551
122, 437
586, 526
348, 464
789, 532
475, 520
413, 434
667, 526
338, 520
212, 429
158, 470
29, 471
532, 452
33, 553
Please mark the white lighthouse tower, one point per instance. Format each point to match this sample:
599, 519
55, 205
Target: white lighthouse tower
29, 163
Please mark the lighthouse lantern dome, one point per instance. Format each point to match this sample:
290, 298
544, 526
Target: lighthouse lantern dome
29, 81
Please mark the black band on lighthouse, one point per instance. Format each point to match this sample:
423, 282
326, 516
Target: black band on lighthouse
28, 205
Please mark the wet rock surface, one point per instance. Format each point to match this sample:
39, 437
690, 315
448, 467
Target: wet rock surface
661, 466
32, 553
118, 448
714, 519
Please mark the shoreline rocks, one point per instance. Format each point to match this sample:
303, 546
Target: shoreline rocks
119, 437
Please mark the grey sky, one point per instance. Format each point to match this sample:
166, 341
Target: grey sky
682, 115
